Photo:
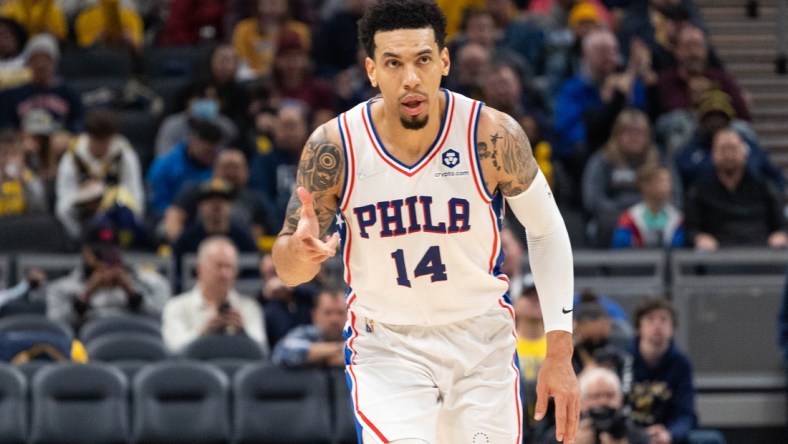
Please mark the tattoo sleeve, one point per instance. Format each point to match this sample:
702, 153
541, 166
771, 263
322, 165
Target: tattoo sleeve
321, 172
508, 152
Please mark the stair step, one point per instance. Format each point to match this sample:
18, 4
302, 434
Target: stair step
769, 129
759, 41
765, 85
739, 55
740, 26
775, 143
766, 99
712, 13
703, 4
740, 70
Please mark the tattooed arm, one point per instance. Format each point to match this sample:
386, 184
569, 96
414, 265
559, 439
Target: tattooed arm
507, 161
303, 244
509, 166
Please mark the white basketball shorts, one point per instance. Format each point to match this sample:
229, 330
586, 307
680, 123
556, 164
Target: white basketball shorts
448, 384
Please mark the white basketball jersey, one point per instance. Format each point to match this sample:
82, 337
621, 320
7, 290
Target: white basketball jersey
421, 242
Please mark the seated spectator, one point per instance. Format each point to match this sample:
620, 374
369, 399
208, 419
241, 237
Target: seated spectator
45, 143
255, 38
733, 207
610, 176
213, 306
596, 342
292, 79
37, 16
103, 155
214, 218
715, 111
104, 285
320, 343
45, 92
469, 71
202, 103
513, 248
274, 173
13, 38
523, 37
654, 222
188, 163
27, 296
691, 54
285, 307
662, 396
21, 190
503, 88
109, 23
603, 415
249, 207
588, 103
190, 22
337, 39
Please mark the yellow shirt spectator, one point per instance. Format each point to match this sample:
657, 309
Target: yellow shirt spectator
109, 23
37, 16
257, 50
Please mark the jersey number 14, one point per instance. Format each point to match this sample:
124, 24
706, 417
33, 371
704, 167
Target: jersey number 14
430, 264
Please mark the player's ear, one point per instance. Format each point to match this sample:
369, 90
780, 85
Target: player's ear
369, 65
445, 61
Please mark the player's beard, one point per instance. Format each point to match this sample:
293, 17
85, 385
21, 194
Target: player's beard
414, 123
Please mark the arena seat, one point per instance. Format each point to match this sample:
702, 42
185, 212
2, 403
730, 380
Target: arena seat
13, 405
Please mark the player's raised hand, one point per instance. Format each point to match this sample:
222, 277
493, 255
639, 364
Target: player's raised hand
308, 232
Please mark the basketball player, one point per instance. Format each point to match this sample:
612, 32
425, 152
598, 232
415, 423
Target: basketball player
415, 181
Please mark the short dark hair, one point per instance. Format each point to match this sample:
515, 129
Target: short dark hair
653, 304
388, 15
207, 131
101, 123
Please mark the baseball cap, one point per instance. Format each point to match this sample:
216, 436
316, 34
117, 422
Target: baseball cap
718, 101
582, 12
216, 187
42, 43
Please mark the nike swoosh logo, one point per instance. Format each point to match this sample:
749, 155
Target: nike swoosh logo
565, 311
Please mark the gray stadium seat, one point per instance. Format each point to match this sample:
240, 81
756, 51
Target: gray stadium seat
273, 404
228, 352
128, 350
32, 232
119, 323
13, 405
35, 322
180, 401
77, 63
79, 403
345, 431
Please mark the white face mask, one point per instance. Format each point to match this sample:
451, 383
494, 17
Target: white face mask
204, 109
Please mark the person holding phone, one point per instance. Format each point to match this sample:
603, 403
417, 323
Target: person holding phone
212, 306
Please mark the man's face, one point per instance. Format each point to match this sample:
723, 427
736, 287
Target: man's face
602, 55
218, 267
600, 393
231, 166
42, 66
408, 67
329, 316
656, 327
728, 153
481, 30
214, 212
691, 50
290, 131
203, 150
503, 88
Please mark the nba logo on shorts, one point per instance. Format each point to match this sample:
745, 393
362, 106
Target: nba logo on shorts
451, 158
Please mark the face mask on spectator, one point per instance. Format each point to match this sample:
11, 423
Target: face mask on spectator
204, 109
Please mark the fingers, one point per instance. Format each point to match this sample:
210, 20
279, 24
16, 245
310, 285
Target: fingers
560, 418
572, 418
307, 203
333, 241
541, 401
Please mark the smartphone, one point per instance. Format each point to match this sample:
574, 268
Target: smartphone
224, 307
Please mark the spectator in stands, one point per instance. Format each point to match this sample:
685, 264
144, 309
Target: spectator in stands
319, 343
37, 16
563, 58
44, 144
202, 102
21, 190
603, 416
733, 207
293, 79
337, 40
109, 23
454, 11
103, 284
100, 154
503, 88
233, 98
13, 38
285, 307
214, 218
513, 249
188, 162
352, 85
273, 174
27, 296
248, 210
256, 38
715, 112
600, 340
213, 306
692, 61
45, 92
654, 222
190, 22
467, 76
531, 345
610, 176
588, 103
662, 396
